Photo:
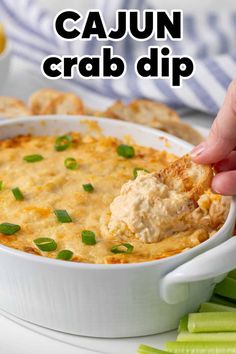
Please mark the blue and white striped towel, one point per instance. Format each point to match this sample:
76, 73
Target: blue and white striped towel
209, 37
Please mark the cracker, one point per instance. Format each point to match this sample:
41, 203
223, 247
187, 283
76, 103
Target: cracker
41, 98
11, 107
186, 176
142, 111
181, 130
65, 103
88, 111
154, 115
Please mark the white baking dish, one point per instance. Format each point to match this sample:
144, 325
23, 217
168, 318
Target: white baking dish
111, 300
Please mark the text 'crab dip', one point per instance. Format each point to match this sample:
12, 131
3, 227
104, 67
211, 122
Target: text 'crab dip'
56, 192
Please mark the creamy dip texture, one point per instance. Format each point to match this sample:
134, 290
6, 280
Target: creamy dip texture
149, 208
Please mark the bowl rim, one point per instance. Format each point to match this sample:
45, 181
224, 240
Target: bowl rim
107, 267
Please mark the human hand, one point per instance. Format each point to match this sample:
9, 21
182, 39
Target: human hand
219, 148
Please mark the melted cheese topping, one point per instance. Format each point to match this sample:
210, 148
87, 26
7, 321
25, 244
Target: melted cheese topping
47, 185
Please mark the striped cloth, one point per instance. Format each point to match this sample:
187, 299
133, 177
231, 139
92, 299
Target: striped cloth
209, 37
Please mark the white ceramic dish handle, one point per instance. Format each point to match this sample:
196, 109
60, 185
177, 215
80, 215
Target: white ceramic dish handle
209, 265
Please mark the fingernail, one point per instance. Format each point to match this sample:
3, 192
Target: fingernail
215, 188
198, 150
216, 191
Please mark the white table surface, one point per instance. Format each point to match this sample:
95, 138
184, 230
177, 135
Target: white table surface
18, 337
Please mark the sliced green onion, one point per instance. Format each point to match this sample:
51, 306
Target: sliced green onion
9, 229
88, 187
212, 322
226, 288
210, 307
63, 142
125, 248
71, 163
126, 151
146, 349
201, 347
1, 185
33, 158
17, 193
88, 237
46, 244
62, 216
65, 255
222, 301
136, 169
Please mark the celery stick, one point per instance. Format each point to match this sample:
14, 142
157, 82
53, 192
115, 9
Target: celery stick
232, 274
210, 307
222, 301
145, 349
183, 324
201, 348
226, 288
186, 336
212, 322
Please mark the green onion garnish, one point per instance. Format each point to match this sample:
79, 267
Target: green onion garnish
33, 158
125, 248
136, 169
17, 193
45, 244
88, 187
71, 163
1, 185
88, 237
63, 142
9, 229
62, 216
65, 255
125, 151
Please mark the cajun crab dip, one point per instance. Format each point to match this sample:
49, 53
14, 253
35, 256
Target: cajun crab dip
97, 199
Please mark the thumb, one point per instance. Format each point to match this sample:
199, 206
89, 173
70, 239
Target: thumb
222, 137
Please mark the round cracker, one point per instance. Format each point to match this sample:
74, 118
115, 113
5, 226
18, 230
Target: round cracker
181, 130
152, 111
65, 103
88, 111
155, 115
11, 107
40, 99
142, 111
